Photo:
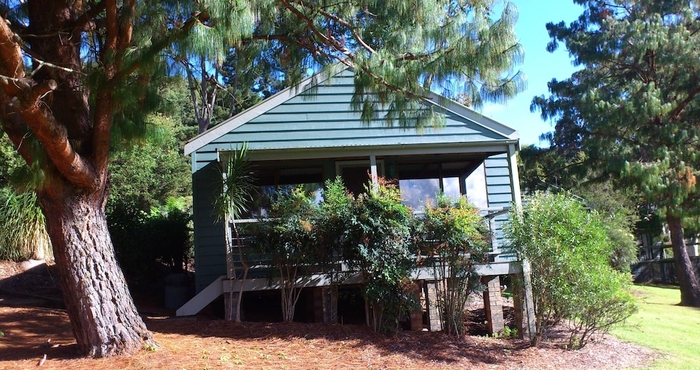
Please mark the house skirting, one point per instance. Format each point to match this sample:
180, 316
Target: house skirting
325, 295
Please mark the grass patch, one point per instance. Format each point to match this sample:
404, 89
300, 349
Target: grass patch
663, 325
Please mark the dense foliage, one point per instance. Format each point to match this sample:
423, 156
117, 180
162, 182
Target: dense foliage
379, 247
289, 238
376, 236
633, 107
554, 169
147, 173
151, 244
452, 236
22, 232
572, 281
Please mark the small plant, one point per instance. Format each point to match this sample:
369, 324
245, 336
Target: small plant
236, 193
452, 237
289, 238
509, 332
150, 347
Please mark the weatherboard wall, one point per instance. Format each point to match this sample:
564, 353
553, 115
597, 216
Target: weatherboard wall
323, 117
499, 192
209, 241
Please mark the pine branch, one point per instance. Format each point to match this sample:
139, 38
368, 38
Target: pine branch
82, 23
155, 48
25, 100
326, 40
53, 136
15, 129
351, 28
11, 63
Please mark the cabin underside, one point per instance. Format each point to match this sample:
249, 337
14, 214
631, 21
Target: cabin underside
323, 303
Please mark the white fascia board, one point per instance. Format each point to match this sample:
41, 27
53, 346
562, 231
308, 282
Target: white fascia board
268, 104
474, 116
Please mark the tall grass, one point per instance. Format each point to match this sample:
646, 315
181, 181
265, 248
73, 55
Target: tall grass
22, 227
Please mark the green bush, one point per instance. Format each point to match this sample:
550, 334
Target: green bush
572, 281
288, 237
147, 243
453, 237
378, 245
334, 216
22, 227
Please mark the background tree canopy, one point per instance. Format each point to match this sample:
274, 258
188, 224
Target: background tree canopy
633, 108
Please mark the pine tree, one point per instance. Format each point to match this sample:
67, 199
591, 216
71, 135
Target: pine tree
72, 74
634, 107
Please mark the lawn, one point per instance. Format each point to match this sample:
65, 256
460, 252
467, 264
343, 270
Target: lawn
663, 325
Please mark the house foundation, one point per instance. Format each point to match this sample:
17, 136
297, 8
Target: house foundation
523, 303
430, 289
326, 304
324, 297
493, 304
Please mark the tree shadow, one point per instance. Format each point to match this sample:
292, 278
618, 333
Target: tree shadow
32, 332
26, 330
433, 347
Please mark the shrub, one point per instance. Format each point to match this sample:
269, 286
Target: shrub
453, 237
22, 227
572, 281
620, 215
377, 244
289, 238
334, 217
144, 243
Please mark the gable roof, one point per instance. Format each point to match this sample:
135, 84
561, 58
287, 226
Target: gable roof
340, 77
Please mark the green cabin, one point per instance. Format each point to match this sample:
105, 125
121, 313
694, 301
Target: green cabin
310, 132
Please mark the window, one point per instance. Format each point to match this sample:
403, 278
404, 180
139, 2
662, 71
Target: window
421, 181
476, 188
272, 181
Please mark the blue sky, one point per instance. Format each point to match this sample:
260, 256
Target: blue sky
540, 66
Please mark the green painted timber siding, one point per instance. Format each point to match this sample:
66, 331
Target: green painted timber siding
323, 118
210, 245
500, 195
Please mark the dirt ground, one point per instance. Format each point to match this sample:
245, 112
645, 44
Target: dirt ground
33, 336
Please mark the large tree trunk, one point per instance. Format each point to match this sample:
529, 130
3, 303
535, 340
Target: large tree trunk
104, 319
690, 295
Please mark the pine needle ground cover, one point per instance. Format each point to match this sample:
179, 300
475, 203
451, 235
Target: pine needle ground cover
215, 344
27, 333
663, 325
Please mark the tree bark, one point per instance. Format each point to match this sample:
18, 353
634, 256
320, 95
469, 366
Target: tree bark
690, 295
104, 319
